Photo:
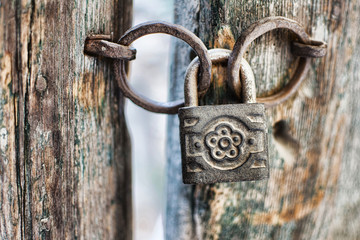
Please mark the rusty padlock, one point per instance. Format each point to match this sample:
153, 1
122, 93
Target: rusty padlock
222, 143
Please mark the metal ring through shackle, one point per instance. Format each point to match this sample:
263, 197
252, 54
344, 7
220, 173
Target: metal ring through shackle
250, 34
217, 55
173, 30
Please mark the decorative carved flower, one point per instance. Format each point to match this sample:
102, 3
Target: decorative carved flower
223, 142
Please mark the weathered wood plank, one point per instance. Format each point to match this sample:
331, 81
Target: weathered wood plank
65, 163
313, 137
10, 207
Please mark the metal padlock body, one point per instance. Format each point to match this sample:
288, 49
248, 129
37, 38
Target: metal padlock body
223, 143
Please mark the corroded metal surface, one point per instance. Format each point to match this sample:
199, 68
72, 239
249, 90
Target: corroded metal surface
176, 31
250, 34
224, 143
218, 55
99, 45
316, 49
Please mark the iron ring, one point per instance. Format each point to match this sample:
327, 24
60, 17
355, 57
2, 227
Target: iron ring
173, 30
250, 34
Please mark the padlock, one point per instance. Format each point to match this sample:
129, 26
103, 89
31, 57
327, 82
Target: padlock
223, 143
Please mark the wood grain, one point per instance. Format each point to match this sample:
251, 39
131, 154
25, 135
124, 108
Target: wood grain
65, 154
312, 192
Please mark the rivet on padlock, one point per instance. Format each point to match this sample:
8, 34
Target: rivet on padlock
223, 143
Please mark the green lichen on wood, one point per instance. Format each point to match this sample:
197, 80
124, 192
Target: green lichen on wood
61, 126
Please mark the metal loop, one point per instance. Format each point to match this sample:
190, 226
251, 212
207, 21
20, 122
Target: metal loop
254, 31
176, 31
217, 55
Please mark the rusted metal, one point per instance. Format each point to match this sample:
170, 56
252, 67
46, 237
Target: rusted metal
224, 143
218, 55
316, 49
178, 32
254, 31
100, 45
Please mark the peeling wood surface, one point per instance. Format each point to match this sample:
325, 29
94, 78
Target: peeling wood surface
314, 139
64, 154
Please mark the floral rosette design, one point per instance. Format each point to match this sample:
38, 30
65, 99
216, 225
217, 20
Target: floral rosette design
223, 142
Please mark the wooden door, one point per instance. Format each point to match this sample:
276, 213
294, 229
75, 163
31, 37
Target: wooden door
312, 192
64, 158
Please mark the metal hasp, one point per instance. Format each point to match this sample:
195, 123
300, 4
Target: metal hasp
101, 45
121, 52
223, 143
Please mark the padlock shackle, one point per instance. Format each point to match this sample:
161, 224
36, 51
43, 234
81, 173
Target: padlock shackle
218, 55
